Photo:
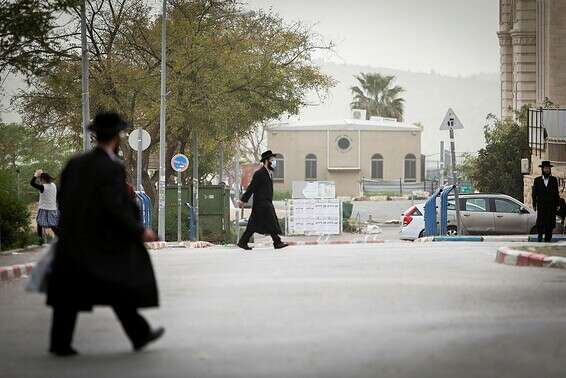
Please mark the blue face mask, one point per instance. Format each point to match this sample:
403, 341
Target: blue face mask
273, 163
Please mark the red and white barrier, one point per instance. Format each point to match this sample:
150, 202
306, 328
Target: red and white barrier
8, 273
509, 256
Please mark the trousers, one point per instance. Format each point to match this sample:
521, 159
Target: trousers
547, 232
65, 318
248, 234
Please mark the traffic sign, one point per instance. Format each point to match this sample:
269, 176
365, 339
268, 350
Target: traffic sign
451, 121
133, 139
180, 163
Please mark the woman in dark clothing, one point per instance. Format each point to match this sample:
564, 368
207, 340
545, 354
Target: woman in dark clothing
47, 214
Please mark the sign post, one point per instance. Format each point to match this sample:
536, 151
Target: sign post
179, 163
139, 141
451, 122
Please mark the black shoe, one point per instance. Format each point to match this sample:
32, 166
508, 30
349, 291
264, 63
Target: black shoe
280, 245
245, 246
67, 352
153, 336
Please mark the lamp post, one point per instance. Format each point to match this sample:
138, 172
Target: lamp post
85, 94
162, 127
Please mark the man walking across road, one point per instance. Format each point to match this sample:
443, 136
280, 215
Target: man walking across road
100, 257
263, 219
546, 200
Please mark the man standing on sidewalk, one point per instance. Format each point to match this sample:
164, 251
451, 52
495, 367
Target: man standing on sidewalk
263, 219
100, 258
546, 200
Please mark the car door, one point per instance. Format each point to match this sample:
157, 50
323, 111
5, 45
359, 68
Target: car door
509, 219
476, 217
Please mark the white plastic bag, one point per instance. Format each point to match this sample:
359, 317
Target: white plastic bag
37, 281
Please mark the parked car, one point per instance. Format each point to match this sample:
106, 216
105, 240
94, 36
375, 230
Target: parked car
481, 214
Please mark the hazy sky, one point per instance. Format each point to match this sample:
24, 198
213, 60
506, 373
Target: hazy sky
455, 37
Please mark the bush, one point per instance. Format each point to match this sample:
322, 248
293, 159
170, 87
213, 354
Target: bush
14, 223
281, 195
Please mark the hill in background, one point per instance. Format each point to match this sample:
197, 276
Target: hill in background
428, 96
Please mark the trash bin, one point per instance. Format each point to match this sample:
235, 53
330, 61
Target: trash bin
214, 213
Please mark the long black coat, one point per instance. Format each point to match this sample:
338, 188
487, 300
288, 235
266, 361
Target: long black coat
263, 219
546, 199
100, 257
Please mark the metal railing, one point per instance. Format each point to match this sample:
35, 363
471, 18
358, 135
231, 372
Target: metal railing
396, 186
547, 126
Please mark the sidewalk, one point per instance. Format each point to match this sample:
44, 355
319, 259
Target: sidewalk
487, 238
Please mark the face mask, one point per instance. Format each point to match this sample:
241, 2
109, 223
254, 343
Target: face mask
273, 163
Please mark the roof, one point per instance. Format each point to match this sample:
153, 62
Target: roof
375, 124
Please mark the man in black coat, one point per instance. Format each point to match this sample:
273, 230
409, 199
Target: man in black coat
546, 200
100, 257
263, 219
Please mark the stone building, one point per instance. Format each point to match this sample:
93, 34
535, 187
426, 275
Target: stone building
345, 151
532, 39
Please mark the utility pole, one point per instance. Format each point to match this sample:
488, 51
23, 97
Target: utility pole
455, 182
85, 94
195, 183
237, 191
162, 133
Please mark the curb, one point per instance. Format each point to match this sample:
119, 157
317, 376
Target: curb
185, 244
11, 272
509, 256
317, 242
428, 239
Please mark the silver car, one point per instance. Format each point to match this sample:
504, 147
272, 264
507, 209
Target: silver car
493, 214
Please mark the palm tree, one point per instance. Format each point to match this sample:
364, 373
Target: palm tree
377, 95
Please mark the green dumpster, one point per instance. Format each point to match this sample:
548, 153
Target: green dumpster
214, 213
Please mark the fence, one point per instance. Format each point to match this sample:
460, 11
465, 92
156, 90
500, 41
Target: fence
547, 128
397, 186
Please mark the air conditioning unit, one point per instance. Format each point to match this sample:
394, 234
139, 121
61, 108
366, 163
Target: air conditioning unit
359, 114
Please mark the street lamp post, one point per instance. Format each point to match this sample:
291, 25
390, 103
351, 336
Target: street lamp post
162, 129
85, 94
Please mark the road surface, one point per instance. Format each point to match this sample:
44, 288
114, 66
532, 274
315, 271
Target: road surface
390, 310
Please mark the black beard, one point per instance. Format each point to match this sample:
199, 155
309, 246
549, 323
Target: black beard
545, 174
270, 167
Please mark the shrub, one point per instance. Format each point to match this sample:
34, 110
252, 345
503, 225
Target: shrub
281, 195
14, 223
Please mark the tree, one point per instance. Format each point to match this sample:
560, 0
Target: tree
228, 70
497, 166
29, 41
377, 95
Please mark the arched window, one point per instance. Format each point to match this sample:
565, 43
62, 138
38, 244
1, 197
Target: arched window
310, 167
279, 171
410, 168
377, 167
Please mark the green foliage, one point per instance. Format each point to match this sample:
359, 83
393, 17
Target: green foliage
281, 195
29, 42
377, 95
497, 166
14, 221
22, 152
228, 69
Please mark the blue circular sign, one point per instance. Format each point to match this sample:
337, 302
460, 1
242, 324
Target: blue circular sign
180, 163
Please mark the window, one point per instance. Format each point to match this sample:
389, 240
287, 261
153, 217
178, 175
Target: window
476, 205
343, 143
377, 167
410, 168
506, 206
310, 167
279, 171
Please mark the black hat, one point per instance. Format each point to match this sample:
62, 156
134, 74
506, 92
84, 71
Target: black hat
545, 163
108, 124
266, 155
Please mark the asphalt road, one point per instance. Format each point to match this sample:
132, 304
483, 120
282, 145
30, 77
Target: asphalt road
391, 310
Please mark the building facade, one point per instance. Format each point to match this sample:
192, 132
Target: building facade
532, 39
345, 152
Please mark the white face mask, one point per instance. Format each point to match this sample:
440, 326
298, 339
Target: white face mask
273, 163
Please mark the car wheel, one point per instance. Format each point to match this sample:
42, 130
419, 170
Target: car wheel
452, 231
534, 230
421, 234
